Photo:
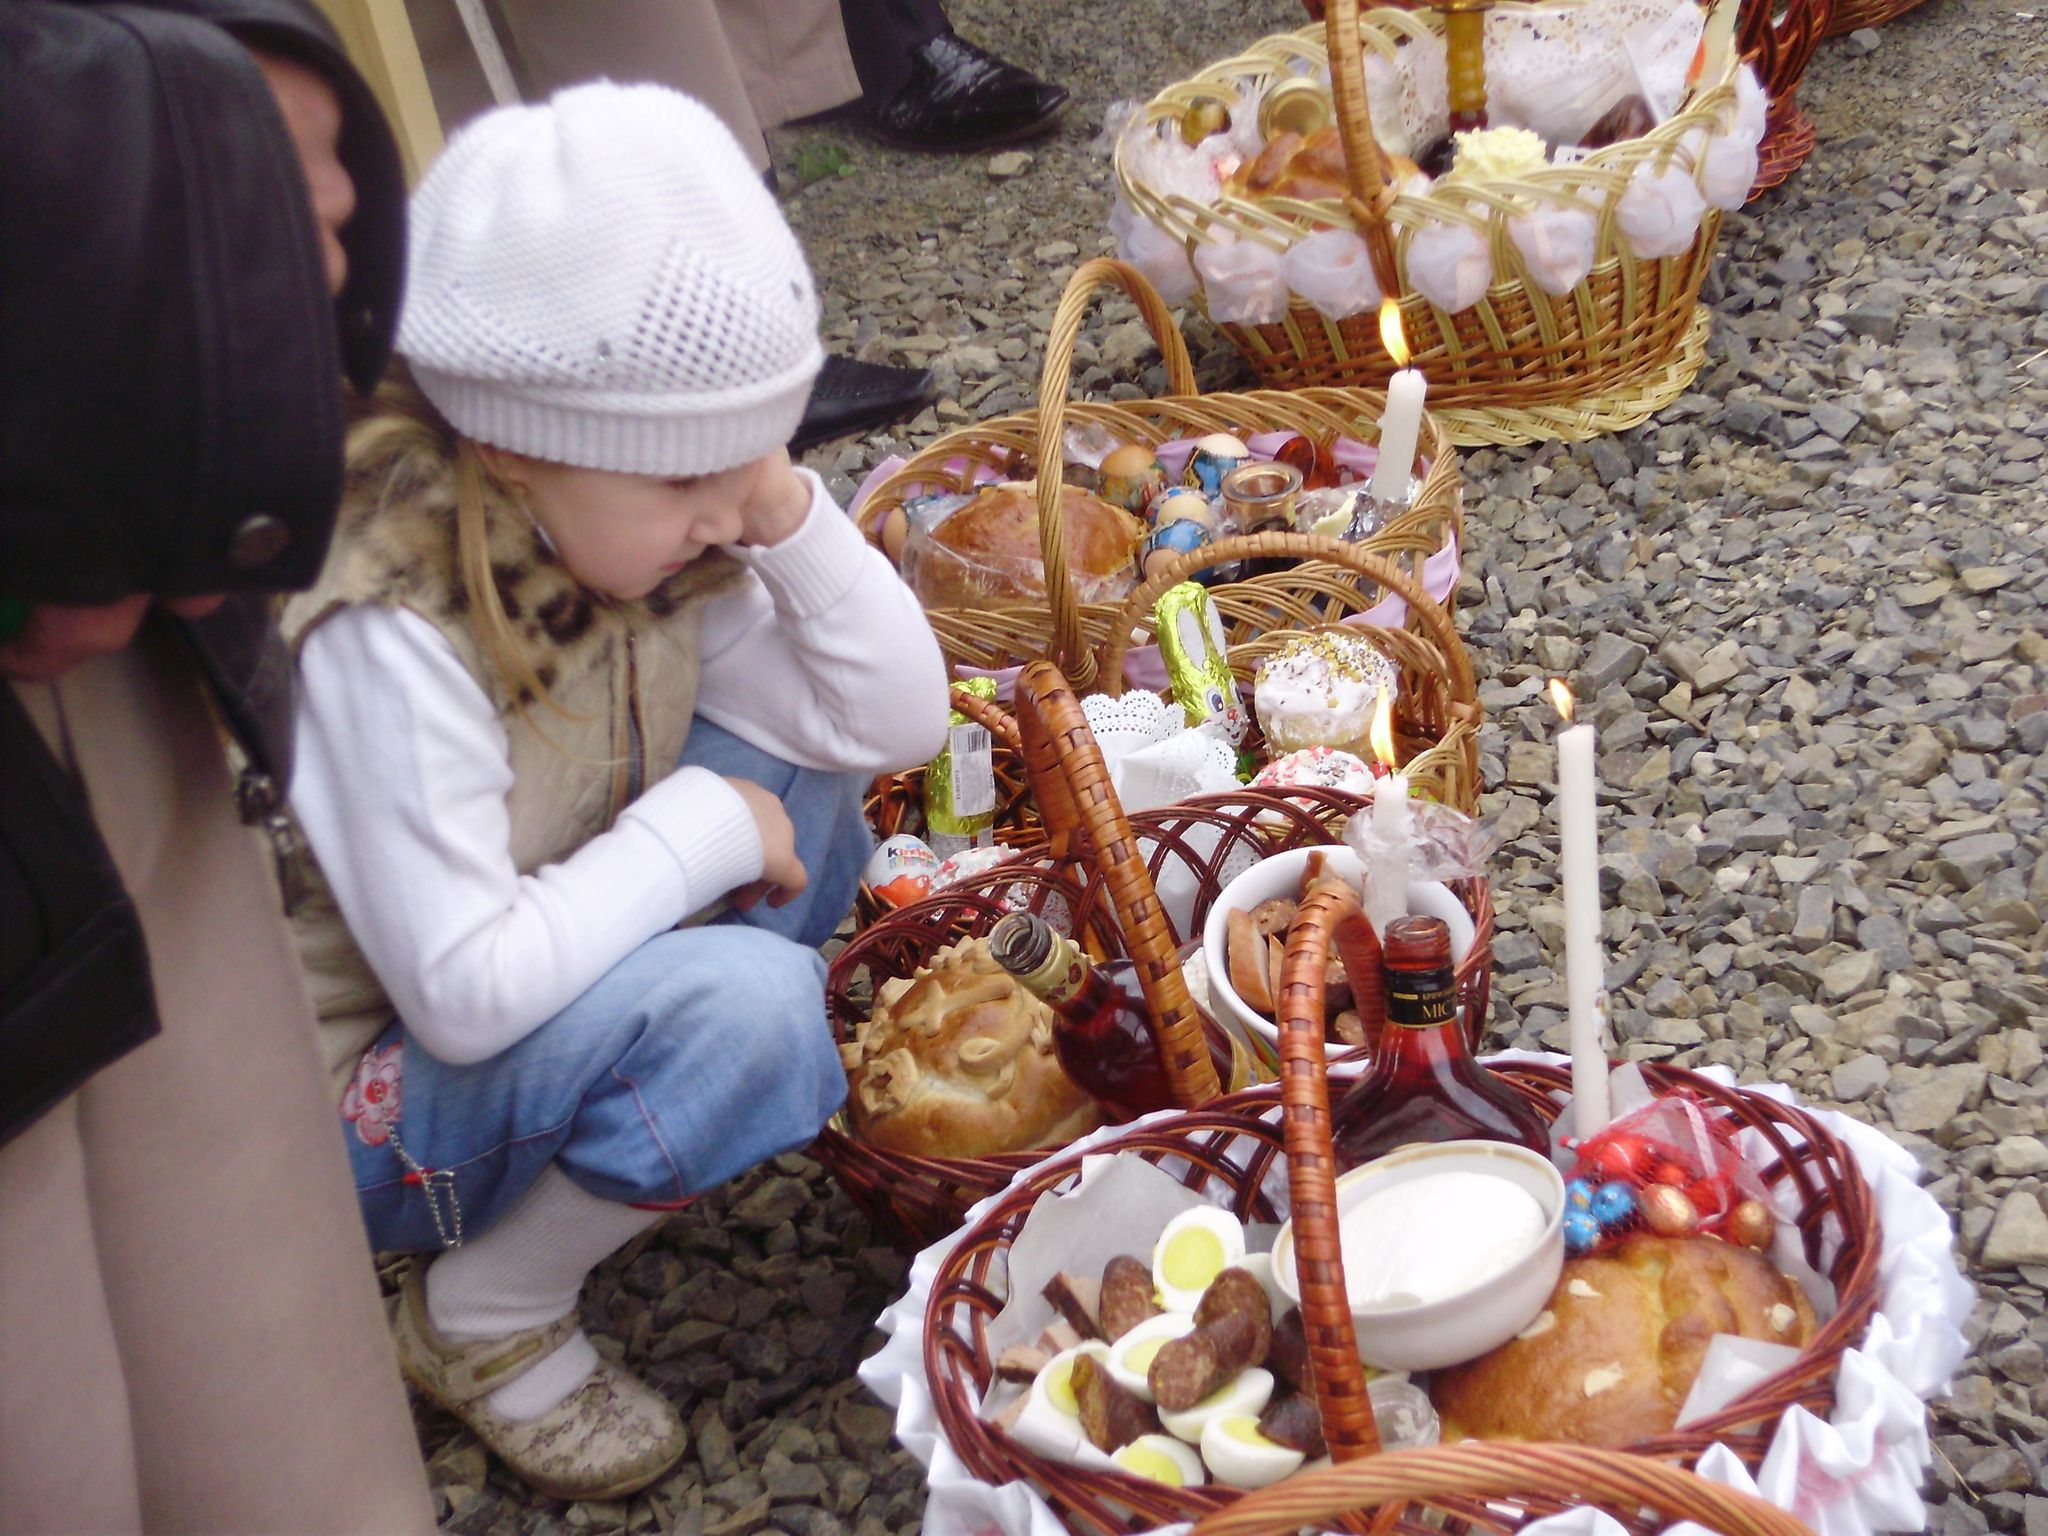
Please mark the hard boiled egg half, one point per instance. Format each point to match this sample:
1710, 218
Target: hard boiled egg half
1242, 1457
1197, 1246
1130, 1357
1163, 1459
1247, 1392
1051, 1421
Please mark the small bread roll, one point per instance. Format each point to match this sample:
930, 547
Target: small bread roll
1612, 1356
958, 1061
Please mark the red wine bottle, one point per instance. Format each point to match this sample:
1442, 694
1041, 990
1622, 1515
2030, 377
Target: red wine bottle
1424, 1083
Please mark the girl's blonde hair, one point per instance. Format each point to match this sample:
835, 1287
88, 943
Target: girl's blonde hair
400, 446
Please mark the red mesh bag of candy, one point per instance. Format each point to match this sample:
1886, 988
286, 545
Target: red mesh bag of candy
1672, 1168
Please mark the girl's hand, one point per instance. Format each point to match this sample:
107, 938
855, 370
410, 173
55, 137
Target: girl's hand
775, 502
783, 876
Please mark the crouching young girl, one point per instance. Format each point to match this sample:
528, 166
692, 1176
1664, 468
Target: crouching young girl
590, 659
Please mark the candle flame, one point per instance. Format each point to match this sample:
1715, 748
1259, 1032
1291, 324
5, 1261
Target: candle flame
1392, 337
1561, 697
1382, 733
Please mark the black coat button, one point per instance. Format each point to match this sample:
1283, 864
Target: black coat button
260, 540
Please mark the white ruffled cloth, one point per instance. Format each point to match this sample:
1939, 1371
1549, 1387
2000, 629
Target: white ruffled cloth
1853, 1474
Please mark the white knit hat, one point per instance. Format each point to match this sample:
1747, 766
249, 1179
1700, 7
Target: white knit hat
604, 281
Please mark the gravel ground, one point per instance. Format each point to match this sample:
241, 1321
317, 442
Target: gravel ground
1809, 601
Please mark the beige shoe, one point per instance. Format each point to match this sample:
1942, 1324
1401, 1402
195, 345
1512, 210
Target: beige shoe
609, 1438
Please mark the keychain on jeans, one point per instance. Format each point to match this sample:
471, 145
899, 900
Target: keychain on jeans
438, 1184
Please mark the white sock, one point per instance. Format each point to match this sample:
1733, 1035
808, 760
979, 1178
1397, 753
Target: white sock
527, 1271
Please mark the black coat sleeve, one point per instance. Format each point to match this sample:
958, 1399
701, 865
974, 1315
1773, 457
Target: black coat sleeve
171, 366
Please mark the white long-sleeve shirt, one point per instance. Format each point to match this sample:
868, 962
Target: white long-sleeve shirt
820, 656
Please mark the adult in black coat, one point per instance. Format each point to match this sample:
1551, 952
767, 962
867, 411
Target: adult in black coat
201, 237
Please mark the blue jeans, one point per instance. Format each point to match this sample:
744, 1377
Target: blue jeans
697, 1056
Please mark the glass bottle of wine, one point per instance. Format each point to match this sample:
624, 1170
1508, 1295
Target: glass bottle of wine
1103, 1029
1424, 1083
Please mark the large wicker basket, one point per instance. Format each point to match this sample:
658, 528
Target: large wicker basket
1097, 878
1518, 366
1072, 633
1227, 1153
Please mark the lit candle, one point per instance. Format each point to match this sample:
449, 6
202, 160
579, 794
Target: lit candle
1584, 966
1401, 426
1387, 879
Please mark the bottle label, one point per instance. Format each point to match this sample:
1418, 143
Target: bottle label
974, 781
1422, 1000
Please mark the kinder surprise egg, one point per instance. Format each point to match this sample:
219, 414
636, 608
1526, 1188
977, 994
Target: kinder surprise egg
901, 870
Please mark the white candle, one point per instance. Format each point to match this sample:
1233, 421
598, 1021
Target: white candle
1584, 965
1387, 897
1400, 429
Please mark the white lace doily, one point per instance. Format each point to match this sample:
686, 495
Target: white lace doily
1154, 757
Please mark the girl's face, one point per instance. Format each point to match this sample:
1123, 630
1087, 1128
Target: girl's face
624, 535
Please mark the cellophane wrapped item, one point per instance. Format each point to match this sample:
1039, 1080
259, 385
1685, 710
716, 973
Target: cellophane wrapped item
1332, 269
1244, 281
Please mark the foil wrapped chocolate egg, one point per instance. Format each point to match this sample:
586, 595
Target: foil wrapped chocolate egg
1203, 119
1581, 1231
1667, 1212
1613, 1203
1578, 1195
1751, 1225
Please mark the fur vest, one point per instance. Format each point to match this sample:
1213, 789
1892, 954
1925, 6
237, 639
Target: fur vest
622, 678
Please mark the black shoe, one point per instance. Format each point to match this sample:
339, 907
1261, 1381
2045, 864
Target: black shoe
851, 396
964, 98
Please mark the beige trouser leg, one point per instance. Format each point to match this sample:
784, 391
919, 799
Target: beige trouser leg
67, 1462
756, 63
261, 1384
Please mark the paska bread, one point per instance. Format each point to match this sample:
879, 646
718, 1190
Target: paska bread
958, 1061
1610, 1359
988, 550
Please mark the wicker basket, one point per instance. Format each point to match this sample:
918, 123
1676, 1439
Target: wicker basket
1854, 15
1465, 1488
1437, 717
1780, 42
1520, 365
1098, 878
1227, 1151
1072, 633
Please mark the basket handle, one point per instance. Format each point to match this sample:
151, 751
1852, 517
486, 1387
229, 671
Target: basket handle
986, 713
1506, 1471
1071, 780
1372, 198
1425, 613
1348, 1423
1055, 379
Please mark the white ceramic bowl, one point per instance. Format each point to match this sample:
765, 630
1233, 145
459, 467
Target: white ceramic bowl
1460, 1327
1280, 875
